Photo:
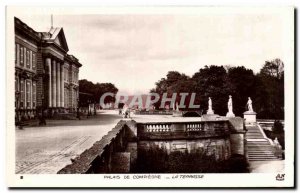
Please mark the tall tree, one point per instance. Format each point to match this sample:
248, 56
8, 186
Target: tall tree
271, 78
212, 81
243, 86
96, 91
173, 83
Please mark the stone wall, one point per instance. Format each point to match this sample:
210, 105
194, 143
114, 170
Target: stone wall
107, 154
220, 148
118, 151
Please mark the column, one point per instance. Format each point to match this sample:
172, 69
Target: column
53, 80
58, 104
62, 85
48, 64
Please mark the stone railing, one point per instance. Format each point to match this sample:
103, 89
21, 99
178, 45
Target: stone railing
155, 112
173, 130
99, 158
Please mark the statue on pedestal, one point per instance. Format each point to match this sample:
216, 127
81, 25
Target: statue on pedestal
229, 104
249, 105
177, 108
210, 111
230, 111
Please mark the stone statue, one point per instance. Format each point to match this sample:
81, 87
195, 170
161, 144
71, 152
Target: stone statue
210, 111
230, 111
276, 142
209, 104
249, 104
230, 104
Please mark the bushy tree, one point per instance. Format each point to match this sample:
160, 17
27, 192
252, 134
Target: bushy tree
212, 81
173, 83
266, 88
95, 91
271, 88
243, 86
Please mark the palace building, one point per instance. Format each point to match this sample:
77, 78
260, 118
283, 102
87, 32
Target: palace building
46, 76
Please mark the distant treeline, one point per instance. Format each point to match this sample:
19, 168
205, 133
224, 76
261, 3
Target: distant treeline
91, 92
265, 88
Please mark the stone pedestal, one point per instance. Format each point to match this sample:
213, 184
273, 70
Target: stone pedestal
230, 114
250, 116
210, 112
210, 117
177, 114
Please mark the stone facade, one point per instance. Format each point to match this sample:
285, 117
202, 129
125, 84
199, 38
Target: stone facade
46, 76
220, 148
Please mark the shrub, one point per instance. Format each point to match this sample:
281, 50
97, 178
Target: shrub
156, 160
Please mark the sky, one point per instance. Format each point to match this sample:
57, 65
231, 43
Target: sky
135, 51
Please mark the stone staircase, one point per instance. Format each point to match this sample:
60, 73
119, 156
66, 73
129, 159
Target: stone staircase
259, 147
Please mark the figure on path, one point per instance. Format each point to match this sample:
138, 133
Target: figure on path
249, 104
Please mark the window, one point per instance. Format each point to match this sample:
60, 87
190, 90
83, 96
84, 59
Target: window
22, 91
66, 74
15, 53
66, 98
33, 61
33, 95
16, 84
16, 89
28, 92
21, 56
27, 59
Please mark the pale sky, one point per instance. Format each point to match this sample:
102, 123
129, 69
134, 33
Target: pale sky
135, 51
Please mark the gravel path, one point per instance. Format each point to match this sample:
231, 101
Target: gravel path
49, 148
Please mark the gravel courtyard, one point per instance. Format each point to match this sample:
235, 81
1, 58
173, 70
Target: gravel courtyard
47, 149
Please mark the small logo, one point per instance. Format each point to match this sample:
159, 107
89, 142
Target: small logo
280, 177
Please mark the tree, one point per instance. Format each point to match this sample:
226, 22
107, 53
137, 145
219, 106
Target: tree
173, 83
212, 81
96, 91
243, 83
271, 79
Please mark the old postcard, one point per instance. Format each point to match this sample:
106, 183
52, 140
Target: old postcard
150, 97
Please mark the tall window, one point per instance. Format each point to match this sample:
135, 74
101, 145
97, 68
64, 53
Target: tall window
21, 56
66, 98
22, 93
33, 94
33, 61
66, 74
16, 53
28, 92
16, 89
16, 84
27, 58
74, 98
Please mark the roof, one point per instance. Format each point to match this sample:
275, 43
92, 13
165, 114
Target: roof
56, 35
